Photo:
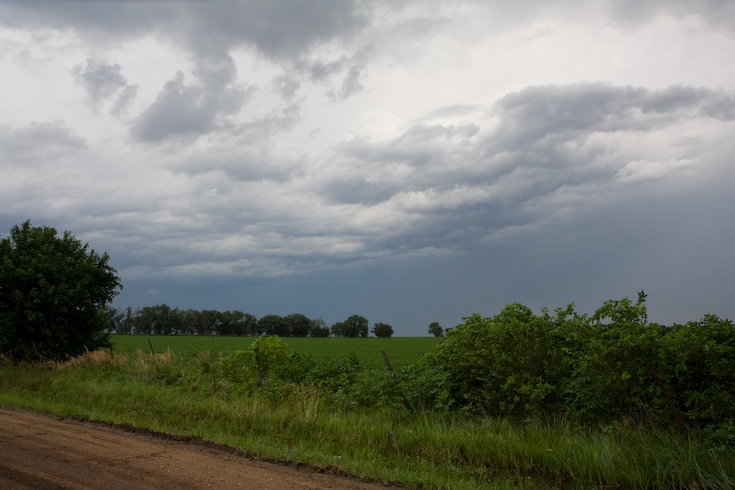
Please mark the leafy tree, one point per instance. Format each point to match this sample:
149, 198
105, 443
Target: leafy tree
436, 330
159, 320
51, 291
354, 326
114, 317
275, 325
299, 324
382, 330
235, 323
317, 328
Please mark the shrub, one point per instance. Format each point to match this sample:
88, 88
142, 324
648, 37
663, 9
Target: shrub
511, 363
51, 292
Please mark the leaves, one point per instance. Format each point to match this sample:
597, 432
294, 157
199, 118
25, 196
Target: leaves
51, 290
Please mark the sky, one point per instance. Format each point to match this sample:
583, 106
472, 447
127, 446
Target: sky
407, 161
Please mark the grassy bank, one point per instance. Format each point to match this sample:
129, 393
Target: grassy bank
422, 449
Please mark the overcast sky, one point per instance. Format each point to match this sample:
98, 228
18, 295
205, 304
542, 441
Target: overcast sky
408, 161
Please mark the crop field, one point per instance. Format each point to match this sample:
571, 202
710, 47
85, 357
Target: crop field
401, 351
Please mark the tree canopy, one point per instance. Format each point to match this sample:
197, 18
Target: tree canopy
52, 290
436, 330
382, 330
354, 326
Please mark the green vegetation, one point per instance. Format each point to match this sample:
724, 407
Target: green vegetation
609, 367
51, 291
164, 320
402, 351
313, 425
516, 400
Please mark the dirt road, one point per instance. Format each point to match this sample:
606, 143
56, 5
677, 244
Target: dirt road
38, 452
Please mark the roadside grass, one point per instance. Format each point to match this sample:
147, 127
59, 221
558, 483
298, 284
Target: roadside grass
402, 351
424, 449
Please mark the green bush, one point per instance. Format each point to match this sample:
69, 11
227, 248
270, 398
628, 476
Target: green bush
265, 357
612, 366
698, 361
508, 364
51, 292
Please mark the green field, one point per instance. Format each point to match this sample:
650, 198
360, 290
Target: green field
401, 351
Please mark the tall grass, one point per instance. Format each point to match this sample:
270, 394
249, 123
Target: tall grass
424, 449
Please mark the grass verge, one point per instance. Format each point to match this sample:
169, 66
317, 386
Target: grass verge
425, 449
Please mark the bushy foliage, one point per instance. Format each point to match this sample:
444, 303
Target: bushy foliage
698, 361
610, 366
266, 357
52, 290
511, 363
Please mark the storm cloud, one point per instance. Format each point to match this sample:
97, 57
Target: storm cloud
408, 161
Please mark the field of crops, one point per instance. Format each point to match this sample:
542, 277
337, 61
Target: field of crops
401, 351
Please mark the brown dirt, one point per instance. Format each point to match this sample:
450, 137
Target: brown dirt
39, 452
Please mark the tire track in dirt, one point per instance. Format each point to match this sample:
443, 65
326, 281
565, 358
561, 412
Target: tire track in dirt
40, 452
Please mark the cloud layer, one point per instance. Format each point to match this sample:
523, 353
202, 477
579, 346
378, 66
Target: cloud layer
456, 156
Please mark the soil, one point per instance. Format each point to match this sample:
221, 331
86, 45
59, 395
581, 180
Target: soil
40, 452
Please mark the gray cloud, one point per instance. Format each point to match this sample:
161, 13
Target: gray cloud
458, 184
352, 83
286, 86
634, 14
103, 81
41, 143
182, 110
280, 29
524, 197
244, 154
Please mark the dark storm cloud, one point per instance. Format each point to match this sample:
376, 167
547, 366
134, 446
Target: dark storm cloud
280, 29
103, 20
38, 144
535, 112
541, 141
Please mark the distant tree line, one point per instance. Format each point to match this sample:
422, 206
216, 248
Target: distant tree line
164, 320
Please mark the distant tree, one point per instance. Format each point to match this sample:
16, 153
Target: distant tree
51, 291
159, 320
275, 325
125, 325
236, 323
436, 330
382, 330
299, 324
114, 318
318, 328
354, 326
